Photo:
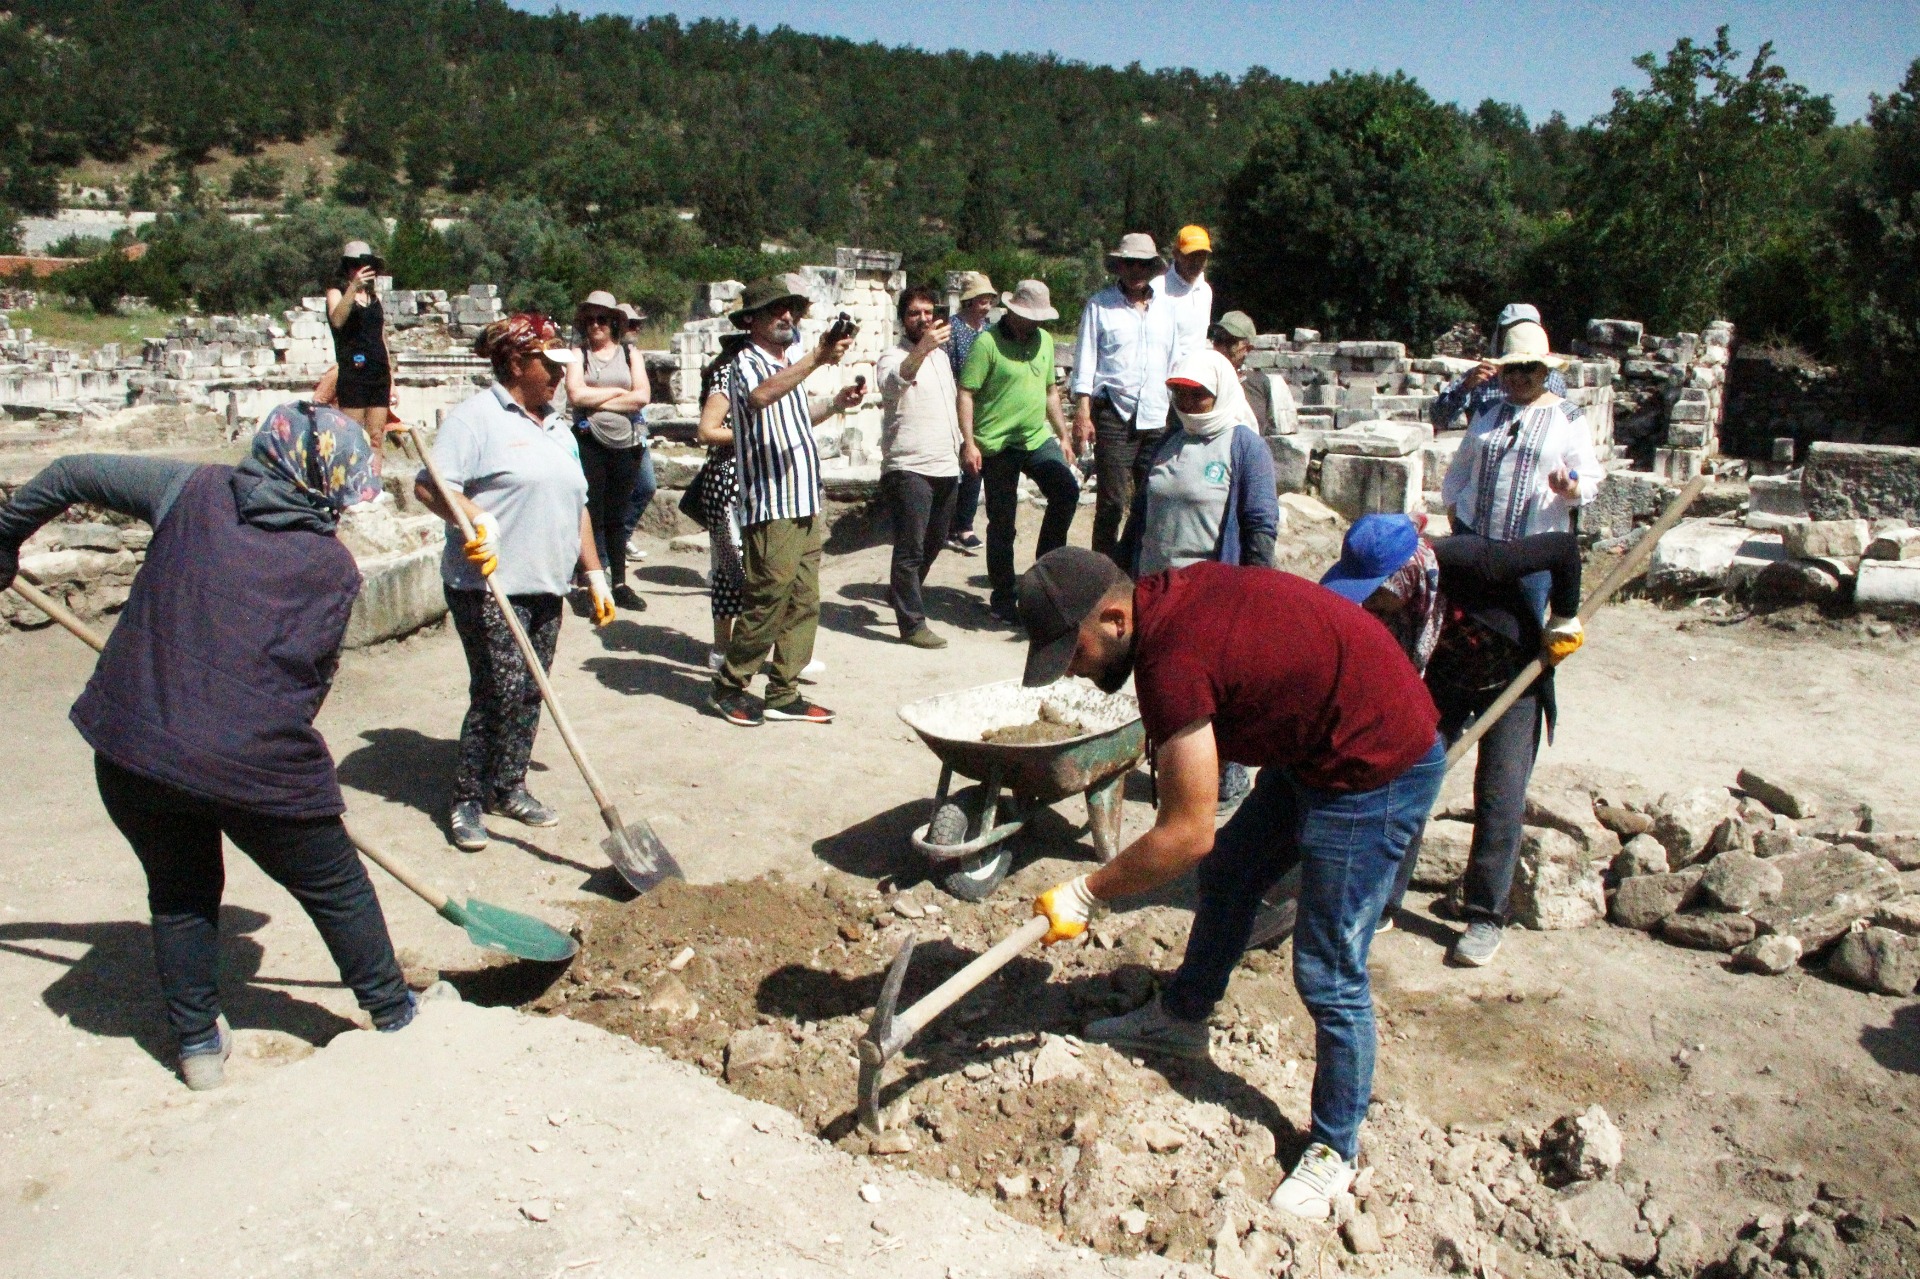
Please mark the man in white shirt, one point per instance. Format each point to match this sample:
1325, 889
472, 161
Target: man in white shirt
920, 456
1185, 290
1120, 365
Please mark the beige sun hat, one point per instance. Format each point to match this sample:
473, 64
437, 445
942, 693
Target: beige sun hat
974, 284
1031, 301
1526, 343
1135, 246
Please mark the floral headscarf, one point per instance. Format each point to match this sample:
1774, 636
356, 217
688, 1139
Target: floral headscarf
308, 463
1417, 625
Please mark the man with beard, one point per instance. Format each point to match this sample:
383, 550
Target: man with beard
781, 530
1270, 670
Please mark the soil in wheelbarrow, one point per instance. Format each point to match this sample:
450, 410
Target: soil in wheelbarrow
1038, 733
998, 1096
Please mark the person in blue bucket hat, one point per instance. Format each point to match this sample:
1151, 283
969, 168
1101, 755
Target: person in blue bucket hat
1460, 610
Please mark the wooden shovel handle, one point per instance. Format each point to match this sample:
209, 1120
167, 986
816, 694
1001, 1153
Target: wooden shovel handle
58, 612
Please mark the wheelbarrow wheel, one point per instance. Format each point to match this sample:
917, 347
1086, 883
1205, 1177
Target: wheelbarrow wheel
973, 879
949, 825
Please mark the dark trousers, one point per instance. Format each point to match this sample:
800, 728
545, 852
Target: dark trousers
1121, 458
611, 477
1347, 847
1500, 777
967, 505
503, 702
921, 509
176, 836
1000, 476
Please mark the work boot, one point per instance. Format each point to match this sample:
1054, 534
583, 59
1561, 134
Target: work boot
524, 808
1476, 947
1150, 1028
1310, 1189
469, 832
203, 1063
925, 637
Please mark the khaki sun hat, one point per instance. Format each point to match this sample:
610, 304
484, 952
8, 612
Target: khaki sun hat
763, 293
1031, 301
974, 284
1135, 246
1235, 324
1527, 344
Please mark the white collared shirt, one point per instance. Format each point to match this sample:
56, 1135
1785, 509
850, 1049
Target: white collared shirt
1115, 352
1498, 480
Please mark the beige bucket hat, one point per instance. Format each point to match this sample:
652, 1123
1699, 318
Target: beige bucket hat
974, 284
1526, 343
1031, 301
1135, 246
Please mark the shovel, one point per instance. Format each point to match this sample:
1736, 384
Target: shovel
889, 1031
1275, 920
488, 926
635, 851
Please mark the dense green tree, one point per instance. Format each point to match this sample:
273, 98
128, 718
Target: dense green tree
1365, 209
1880, 223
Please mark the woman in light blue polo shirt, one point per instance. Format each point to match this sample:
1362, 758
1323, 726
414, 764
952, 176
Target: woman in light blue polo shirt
511, 461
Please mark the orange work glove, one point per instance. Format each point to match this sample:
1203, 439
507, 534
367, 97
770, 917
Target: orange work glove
1067, 907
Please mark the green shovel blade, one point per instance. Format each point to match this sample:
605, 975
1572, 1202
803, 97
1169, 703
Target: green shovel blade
510, 932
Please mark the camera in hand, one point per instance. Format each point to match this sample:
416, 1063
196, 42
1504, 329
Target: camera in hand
841, 329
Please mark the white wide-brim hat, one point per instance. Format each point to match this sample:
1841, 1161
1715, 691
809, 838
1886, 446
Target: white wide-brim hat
1526, 343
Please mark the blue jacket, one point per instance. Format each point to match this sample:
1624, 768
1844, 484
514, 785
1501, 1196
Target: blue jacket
1252, 519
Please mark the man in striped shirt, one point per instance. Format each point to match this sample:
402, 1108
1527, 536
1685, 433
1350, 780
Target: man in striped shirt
781, 528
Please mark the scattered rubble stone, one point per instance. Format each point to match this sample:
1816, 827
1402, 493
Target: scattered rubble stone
1444, 848
1739, 881
1784, 795
1878, 959
1555, 885
1683, 1250
1571, 813
1708, 930
1688, 823
1582, 1147
756, 1048
1902, 916
1608, 1222
1623, 822
1772, 955
1643, 901
1641, 855
1901, 848
1827, 539
1823, 891
672, 997
1055, 1060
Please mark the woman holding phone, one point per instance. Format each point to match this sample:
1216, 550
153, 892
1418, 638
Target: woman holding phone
365, 387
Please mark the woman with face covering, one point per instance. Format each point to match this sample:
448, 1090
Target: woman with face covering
200, 712
1209, 493
512, 464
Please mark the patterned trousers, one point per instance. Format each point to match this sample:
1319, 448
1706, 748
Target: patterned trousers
503, 702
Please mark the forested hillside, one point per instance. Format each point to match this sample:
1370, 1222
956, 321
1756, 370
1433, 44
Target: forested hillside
644, 155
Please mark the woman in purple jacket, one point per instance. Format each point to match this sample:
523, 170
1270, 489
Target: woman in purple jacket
201, 709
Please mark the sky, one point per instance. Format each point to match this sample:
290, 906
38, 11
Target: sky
1545, 57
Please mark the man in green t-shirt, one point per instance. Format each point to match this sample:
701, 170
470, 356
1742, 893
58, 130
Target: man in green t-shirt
1012, 423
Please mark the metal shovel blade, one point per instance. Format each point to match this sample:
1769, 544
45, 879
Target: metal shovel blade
642, 860
874, 1047
509, 932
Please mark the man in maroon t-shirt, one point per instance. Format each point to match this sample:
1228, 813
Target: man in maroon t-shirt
1270, 670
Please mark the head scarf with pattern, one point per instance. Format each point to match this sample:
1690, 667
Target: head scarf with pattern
308, 463
1416, 584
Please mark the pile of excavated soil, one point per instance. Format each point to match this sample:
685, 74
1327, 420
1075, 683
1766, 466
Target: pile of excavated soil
1038, 733
768, 985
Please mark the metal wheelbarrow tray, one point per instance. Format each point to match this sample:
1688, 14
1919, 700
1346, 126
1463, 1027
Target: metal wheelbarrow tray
969, 847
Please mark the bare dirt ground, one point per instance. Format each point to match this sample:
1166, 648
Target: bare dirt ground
1734, 1092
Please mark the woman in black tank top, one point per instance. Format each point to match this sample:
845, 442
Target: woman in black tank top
360, 341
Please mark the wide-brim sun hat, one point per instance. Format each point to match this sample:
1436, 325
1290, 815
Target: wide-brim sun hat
598, 301
1135, 246
975, 284
358, 249
1375, 548
1030, 300
633, 313
763, 293
1526, 343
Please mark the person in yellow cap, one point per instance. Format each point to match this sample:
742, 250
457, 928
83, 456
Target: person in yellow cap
1185, 289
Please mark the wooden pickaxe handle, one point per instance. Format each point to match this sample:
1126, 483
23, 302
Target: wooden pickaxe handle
913, 1020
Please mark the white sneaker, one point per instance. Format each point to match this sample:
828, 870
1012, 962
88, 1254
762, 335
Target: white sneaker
1310, 1189
715, 659
813, 668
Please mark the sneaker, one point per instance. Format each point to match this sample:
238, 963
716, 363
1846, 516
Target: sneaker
1007, 613
1385, 925
1476, 947
1150, 1028
925, 637
203, 1064
635, 551
964, 542
626, 597
738, 708
401, 1019
801, 711
813, 668
469, 832
1310, 1189
524, 808
715, 659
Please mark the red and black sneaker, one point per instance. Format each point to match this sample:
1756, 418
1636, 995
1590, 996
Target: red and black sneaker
737, 708
801, 711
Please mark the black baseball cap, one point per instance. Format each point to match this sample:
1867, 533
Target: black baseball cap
1057, 594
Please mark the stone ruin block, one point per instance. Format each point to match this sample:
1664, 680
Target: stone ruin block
1861, 481
1357, 484
1292, 455
853, 259
1618, 333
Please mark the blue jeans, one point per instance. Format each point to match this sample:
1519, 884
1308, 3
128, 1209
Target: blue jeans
644, 487
1348, 847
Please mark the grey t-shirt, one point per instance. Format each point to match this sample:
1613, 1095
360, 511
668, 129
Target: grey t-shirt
1186, 501
919, 420
526, 473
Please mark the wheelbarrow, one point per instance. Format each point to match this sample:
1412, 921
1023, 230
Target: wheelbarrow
967, 836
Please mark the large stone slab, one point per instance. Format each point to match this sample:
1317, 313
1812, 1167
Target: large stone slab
1694, 558
1292, 455
1626, 498
1886, 586
1356, 485
1861, 481
1823, 890
1827, 539
1556, 885
399, 594
1378, 438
